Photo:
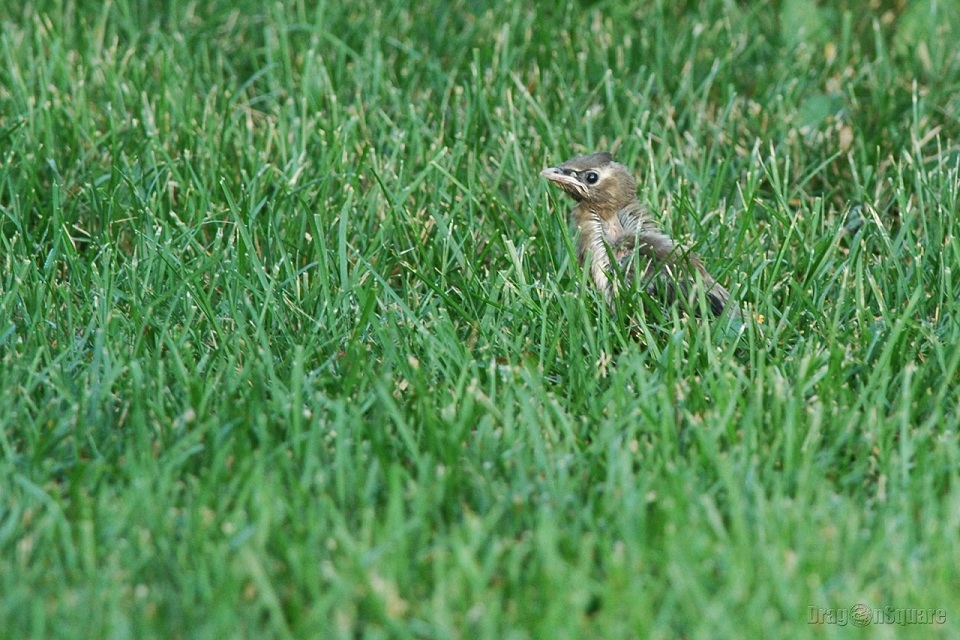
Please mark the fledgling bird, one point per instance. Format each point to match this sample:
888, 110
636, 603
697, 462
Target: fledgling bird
618, 239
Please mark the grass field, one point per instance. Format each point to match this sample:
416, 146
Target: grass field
293, 344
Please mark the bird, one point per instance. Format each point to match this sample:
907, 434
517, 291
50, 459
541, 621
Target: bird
619, 241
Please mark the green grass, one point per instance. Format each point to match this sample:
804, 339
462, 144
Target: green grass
292, 343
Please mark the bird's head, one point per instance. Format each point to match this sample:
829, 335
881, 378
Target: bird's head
595, 179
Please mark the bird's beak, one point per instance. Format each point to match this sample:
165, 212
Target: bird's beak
569, 183
552, 174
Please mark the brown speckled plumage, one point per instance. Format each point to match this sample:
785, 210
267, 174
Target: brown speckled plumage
618, 238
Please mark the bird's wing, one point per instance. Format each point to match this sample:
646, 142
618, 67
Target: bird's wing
668, 272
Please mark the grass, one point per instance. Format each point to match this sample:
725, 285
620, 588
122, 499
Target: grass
292, 342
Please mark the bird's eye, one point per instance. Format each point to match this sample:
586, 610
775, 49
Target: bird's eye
592, 177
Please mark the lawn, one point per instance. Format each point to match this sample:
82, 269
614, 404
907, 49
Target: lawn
294, 344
